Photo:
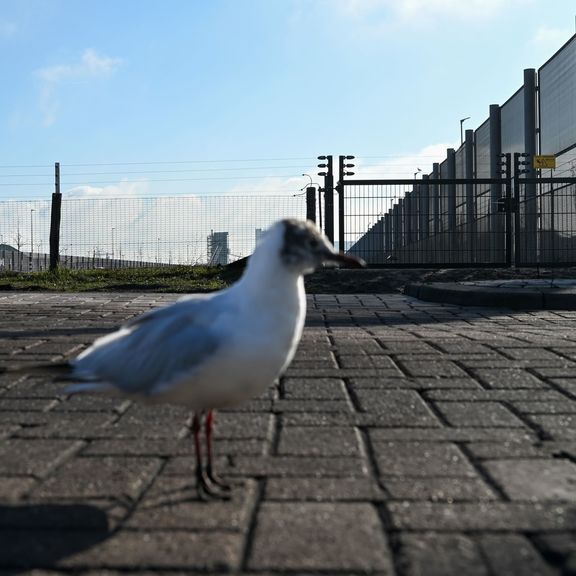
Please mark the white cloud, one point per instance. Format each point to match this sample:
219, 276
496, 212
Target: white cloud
419, 10
91, 66
550, 38
7, 29
123, 189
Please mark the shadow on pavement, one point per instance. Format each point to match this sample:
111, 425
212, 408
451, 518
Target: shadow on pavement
41, 536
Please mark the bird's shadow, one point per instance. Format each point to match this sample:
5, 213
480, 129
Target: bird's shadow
43, 535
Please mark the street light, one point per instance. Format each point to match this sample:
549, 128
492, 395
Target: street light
462, 130
31, 235
416, 173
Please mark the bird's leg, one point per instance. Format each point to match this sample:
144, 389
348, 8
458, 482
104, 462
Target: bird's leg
204, 486
210, 453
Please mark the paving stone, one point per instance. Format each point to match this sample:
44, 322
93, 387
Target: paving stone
12, 489
513, 554
432, 554
421, 459
319, 536
440, 489
314, 389
172, 504
490, 414
507, 449
103, 477
509, 378
320, 441
398, 407
447, 434
415, 383
323, 489
180, 550
34, 457
487, 516
535, 479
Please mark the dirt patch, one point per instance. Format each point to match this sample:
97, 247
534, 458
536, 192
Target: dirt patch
390, 280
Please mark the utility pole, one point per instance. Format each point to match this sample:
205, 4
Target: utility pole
342, 171
328, 195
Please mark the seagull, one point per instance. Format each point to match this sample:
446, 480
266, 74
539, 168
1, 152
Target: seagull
211, 351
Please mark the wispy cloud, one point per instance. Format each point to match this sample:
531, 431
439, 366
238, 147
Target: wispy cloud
426, 10
91, 66
550, 38
7, 29
122, 189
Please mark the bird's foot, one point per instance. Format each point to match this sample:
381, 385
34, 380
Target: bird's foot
216, 480
208, 490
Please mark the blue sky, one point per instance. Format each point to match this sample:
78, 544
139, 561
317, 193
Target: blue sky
251, 90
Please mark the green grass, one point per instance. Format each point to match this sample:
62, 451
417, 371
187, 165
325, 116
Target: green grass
169, 279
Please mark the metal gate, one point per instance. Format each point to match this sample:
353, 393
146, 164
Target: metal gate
544, 222
460, 222
448, 222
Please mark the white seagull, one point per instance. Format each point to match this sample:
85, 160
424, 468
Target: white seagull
215, 350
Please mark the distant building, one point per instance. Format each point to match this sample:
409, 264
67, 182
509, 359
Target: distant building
218, 251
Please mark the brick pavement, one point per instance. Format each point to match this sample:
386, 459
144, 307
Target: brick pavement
406, 438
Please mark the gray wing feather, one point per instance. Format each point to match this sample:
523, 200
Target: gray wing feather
152, 349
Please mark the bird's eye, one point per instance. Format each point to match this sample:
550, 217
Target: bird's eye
314, 243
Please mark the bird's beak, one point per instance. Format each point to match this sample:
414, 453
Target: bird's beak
345, 260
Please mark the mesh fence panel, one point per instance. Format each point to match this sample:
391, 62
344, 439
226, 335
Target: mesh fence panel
141, 231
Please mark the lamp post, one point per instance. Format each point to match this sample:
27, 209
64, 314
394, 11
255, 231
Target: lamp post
416, 173
462, 130
31, 235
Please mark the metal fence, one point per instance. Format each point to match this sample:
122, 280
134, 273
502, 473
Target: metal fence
459, 220
436, 222
115, 232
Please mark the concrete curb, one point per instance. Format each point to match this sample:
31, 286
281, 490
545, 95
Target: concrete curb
521, 298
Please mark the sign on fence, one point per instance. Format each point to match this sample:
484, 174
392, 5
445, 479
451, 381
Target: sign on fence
544, 161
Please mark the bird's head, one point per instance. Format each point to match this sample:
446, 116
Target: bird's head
304, 248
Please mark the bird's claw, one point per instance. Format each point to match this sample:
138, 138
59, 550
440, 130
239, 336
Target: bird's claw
208, 489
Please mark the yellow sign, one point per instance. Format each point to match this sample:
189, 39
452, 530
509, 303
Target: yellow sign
544, 161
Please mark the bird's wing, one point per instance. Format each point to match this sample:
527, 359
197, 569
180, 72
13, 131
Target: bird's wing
153, 349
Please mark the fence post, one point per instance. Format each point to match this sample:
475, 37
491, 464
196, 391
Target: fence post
55, 215
530, 205
470, 228
311, 204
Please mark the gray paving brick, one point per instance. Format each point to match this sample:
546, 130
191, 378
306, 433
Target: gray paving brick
488, 516
513, 554
323, 489
319, 441
172, 504
408, 459
321, 536
535, 479
509, 378
398, 407
490, 414
432, 554
314, 389
34, 457
439, 489
103, 477
182, 550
